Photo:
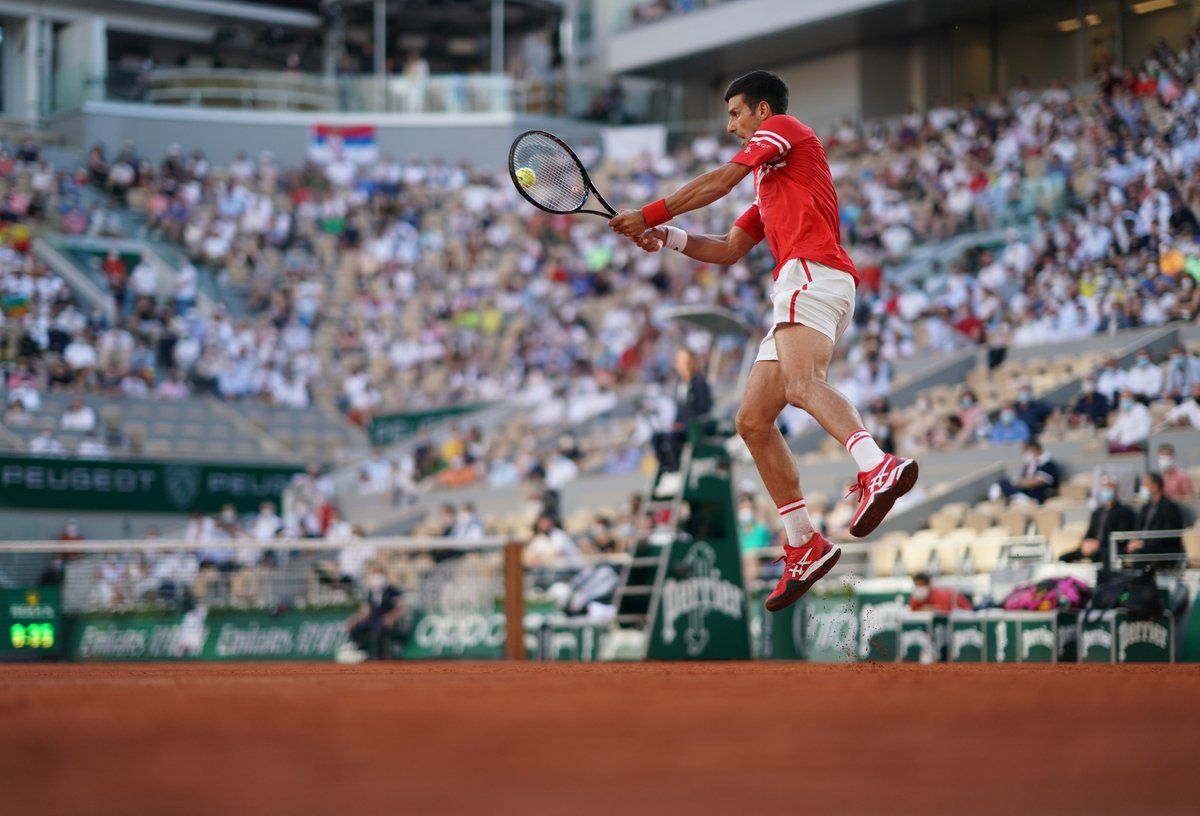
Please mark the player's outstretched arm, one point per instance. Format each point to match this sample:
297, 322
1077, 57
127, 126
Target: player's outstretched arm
699, 192
724, 249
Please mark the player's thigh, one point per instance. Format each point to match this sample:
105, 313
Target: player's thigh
765, 397
804, 353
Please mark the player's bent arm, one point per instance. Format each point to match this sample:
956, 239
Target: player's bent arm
704, 190
719, 249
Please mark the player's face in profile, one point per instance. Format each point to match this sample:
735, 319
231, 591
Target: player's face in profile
743, 122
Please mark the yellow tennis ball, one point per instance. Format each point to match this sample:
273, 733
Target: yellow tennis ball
526, 177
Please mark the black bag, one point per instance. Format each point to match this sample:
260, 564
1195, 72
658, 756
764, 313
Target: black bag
1132, 590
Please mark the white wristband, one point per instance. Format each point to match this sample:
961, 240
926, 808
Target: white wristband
676, 238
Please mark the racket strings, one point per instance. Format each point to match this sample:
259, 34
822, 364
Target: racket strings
560, 185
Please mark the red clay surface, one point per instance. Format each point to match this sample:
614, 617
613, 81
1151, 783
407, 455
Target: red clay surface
629, 738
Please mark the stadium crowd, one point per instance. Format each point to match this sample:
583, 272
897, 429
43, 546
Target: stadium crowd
353, 289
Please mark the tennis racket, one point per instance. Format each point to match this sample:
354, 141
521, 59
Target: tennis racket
548, 174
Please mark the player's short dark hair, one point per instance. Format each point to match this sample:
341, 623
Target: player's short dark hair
760, 86
921, 578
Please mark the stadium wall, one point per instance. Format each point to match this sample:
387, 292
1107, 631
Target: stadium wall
482, 138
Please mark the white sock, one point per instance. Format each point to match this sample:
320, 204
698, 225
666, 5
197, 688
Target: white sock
862, 447
796, 522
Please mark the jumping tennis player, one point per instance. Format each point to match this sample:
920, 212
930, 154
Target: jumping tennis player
796, 209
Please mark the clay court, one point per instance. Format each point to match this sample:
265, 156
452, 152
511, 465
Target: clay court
661, 738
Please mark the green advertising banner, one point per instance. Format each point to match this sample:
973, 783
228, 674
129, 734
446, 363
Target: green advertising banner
137, 485
701, 613
879, 616
922, 636
1098, 638
968, 637
310, 635
830, 628
30, 623
391, 428
254, 635
1148, 641
565, 639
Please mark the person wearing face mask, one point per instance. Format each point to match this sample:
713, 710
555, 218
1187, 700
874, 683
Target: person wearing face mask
1037, 482
1092, 407
1033, 412
1158, 513
374, 626
1182, 374
1111, 380
752, 533
1187, 413
1130, 427
1176, 482
973, 419
1009, 428
928, 598
1109, 517
1145, 379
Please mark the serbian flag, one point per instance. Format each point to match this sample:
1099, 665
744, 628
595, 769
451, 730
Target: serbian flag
353, 142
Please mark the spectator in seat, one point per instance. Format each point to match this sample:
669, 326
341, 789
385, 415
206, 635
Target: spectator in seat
1158, 513
1145, 379
44, 444
1033, 412
1009, 428
972, 417
1092, 407
1130, 427
1109, 517
78, 417
1111, 381
1187, 413
374, 626
928, 598
693, 400
1038, 481
551, 554
1176, 482
1182, 373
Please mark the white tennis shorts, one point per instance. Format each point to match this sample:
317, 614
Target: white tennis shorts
812, 295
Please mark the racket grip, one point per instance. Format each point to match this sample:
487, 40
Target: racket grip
656, 213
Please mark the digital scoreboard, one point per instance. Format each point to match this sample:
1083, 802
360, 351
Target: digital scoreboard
29, 623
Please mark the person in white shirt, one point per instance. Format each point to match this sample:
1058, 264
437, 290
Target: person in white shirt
1145, 380
1187, 413
551, 554
79, 417
1130, 427
467, 525
91, 448
1111, 380
44, 444
266, 524
144, 279
79, 353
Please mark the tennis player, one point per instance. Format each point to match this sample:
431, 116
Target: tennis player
796, 209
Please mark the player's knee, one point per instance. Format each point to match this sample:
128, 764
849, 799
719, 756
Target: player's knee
799, 393
751, 426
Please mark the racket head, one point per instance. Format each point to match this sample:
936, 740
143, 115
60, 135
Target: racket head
562, 185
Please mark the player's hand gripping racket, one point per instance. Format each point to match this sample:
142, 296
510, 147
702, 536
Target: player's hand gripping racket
549, 175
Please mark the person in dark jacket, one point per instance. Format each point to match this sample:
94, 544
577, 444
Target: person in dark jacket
1092, 407
375, 625
1158, 513
1110, 517
693, 400
1033, 412
1039, 477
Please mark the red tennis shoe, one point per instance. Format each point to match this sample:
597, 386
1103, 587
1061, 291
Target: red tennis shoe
802, 567
878, 490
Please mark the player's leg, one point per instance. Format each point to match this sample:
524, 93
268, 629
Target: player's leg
808, 556
816, 315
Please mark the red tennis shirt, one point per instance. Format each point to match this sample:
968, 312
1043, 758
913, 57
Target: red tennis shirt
795, 205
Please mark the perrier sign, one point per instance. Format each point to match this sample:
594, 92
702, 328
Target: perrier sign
701, 614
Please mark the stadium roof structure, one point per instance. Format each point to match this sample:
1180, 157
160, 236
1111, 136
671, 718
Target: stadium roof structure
732, 37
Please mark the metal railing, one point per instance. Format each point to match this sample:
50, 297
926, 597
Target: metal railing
1136, 558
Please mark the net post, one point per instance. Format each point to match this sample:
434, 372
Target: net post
514, 602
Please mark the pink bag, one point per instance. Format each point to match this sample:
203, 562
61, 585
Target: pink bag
1049, 595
